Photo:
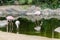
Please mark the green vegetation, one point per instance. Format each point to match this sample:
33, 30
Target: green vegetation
29, 1
2, 18
22, 1
41, 3
27, 27
49, 26
6, 2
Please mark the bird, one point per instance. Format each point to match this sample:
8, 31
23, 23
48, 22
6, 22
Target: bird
57, 30
10, 19
17, 25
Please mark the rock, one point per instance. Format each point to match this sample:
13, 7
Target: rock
3, 23
17, 11
33, 10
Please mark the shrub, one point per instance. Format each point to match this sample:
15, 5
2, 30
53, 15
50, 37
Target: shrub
27, 27
2, 18
29, 1
49, 26
22, 1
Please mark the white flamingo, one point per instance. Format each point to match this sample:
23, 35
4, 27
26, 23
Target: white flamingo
57, 30
17, 24
38, 28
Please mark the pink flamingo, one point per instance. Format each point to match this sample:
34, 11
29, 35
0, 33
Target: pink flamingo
10, 18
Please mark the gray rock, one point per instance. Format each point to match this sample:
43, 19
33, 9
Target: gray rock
3, 23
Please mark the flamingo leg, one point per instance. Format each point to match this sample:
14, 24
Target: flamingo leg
7, 28
12, 26
17, 29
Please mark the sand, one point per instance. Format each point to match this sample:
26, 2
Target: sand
12, 36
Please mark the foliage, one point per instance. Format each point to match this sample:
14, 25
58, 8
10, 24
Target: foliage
29, 1
27, 27
2, 18
46, 3
22, 1
6, 2
49, 26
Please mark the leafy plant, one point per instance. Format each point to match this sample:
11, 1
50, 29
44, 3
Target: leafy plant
22, 1
29, 1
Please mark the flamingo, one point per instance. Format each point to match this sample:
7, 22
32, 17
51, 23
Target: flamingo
17, 24
10, 18
57, 30
38, 28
